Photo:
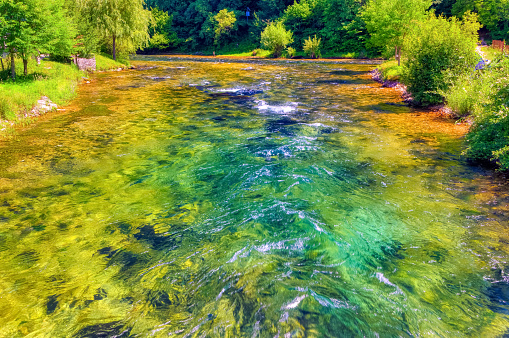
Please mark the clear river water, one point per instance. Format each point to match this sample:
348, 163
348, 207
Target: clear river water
229, 198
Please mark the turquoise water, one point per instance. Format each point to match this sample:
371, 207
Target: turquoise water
247, 199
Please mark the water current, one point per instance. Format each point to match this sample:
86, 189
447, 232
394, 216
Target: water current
228, 198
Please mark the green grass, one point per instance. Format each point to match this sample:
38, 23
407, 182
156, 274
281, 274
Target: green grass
106, 62
260, 53
390, 70
55, 80
491, 53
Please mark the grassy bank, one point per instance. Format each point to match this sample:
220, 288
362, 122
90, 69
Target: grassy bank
55, 80
267, 54
105, 62
391, 71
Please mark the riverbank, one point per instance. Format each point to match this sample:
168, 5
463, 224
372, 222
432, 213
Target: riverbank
388, 74
477, 97
48, 85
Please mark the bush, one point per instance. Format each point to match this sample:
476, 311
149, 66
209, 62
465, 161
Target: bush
434, 47
312, 47
275, 37
468, 91
290, 52
488, 139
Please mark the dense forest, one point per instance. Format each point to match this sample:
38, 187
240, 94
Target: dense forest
339, 23
365, 27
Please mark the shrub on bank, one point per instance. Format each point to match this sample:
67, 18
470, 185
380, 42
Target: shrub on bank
434, 47
290, 52
275, 37
488, 139
391, 71
312, 47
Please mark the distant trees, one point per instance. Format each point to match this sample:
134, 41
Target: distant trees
344, 30
275, 37
162, 36
304, 18
493, 14
224, 23
367, 26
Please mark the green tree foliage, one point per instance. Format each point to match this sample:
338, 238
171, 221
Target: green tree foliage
304, 18
194, 24
437, 46
62, 30
389, 21
344, 30
312, 47
275, 37
443, 7
162, 36
31, 27
124, 23
493, 14
224, 22
337, 22
488, 139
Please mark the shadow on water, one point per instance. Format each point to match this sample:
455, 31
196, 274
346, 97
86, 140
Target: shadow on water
107, 330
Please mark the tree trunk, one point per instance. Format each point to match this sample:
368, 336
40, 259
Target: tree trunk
114, 48
397, 54
2, 61
25, 67
13, 68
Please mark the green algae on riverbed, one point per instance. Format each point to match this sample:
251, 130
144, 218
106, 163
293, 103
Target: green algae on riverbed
247, 199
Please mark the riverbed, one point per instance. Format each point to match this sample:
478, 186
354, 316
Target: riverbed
248, 198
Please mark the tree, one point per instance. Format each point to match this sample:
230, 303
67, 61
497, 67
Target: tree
493, 15
162, 35
488, 138
225, 21
61, 31
31, 27
124, 23
388, 21
275, 37
344, 30
304, 18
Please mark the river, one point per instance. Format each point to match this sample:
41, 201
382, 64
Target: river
230, 198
